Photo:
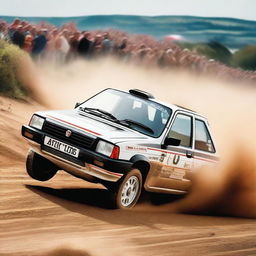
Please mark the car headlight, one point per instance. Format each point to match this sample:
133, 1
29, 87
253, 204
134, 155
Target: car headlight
107, 149
37, 122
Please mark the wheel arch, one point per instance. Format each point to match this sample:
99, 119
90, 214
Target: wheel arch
142, 163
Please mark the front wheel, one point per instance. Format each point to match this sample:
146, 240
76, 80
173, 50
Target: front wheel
39, 168
129, 190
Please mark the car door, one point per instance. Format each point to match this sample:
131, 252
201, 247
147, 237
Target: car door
175, 171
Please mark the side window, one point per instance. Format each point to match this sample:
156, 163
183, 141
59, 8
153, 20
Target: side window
182, 130
203, 140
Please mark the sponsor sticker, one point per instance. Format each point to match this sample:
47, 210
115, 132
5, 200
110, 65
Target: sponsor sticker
177, 174
134, 148
172, 173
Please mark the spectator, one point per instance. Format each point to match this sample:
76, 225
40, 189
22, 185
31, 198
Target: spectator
74, 42
15, 24
151, 57
3, 34
33, 31
84, 44
97, 45
62, 46
18, 37
142, 51
27, 29
51, 45
13, 27
107, 44
121, 49
39, 43
28, 43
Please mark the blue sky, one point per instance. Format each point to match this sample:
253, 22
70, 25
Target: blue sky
244, 9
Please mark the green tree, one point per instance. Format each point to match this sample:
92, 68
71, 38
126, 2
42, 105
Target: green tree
245, 58
214, 50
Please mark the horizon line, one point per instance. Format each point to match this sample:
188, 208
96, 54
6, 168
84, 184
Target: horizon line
137, 15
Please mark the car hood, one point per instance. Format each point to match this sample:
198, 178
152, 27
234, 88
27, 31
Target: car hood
92, 125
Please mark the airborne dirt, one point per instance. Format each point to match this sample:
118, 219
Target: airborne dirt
68, 216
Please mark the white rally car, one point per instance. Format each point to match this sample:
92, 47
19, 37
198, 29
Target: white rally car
114, 137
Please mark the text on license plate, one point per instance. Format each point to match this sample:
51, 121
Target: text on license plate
63, 147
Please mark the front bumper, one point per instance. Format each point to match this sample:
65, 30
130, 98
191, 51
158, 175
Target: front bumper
89, 165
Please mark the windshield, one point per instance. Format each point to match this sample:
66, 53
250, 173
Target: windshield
141, 115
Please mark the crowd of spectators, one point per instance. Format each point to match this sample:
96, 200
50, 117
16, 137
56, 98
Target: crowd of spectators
66, 43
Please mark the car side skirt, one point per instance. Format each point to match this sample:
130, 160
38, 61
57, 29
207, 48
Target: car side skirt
164, 190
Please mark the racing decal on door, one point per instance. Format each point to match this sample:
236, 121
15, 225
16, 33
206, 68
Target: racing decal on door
162, 157
172, 172
176, 159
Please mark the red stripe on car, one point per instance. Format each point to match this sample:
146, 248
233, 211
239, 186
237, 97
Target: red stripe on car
174, 153
165, 151
95, 133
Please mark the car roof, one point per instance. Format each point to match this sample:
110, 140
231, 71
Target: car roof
174, 107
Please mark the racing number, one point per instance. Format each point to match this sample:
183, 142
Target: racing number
161, 159
176, 159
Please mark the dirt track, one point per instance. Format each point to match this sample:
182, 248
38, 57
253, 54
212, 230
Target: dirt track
74, 216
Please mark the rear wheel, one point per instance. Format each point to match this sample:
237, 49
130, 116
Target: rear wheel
39, 168
129, 190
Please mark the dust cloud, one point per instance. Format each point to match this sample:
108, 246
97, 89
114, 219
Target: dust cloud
230, 187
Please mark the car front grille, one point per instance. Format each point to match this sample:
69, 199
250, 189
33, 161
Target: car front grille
75, 138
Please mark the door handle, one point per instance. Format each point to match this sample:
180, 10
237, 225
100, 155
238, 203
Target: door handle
189, 154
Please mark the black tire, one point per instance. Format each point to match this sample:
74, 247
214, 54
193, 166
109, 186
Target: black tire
128, 190
39, 168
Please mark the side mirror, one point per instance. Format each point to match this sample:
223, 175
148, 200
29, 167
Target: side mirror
77, 104
172, 142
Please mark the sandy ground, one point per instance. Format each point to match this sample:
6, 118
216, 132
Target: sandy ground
68, 216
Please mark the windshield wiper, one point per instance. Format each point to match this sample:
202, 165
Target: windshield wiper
125, 122
101, 111
130, 121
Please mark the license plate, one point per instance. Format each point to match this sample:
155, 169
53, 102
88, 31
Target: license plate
60, 146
